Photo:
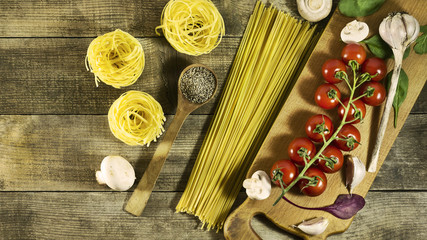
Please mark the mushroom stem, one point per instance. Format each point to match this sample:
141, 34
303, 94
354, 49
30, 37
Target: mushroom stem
100, 178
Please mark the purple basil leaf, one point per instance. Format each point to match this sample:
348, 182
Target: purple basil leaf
344, 207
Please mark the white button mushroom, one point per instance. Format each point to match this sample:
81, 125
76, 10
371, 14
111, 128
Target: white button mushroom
354, 32
258, 187
116, 172
314, 10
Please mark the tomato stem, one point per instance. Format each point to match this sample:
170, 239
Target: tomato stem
342, 75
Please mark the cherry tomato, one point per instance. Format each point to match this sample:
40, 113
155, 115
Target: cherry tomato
335, 155
298, 146
353, 51
378, 94
330, 68
317, 124
352, 115
352, 136
375, 66
317, 189
324, 96
288, 169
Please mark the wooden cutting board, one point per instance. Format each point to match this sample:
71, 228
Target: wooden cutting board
300, 106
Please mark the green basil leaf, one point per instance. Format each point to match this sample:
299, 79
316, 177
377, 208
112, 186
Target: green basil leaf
401, 91
378, 47
381, 49
421, 42
359, 8
406, 53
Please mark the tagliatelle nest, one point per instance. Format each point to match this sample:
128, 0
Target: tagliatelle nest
136, 118
115, 58
192, 27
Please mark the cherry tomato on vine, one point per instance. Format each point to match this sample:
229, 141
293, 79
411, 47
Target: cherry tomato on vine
334, 162
288, 170
353, 51
330, 68
352, 113
317, 124
375, 66
318, 187
299, 147
376, 93
327, 96
349, 138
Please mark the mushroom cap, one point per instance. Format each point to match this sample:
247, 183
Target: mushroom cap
314, 10
117, 173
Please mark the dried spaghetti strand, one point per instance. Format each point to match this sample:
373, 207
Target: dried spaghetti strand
115, 58
193, 27
270, 57
136, 118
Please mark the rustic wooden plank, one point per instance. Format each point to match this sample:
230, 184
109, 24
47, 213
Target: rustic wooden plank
68, 215
49, 76
421, 103
386, 215
84, 18
62, 153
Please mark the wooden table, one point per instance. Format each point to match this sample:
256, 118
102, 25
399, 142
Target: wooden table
54, 131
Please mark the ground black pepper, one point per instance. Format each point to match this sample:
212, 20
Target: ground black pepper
198, 84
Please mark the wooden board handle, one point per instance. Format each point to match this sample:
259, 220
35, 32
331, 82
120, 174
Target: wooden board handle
238, 223
142, 192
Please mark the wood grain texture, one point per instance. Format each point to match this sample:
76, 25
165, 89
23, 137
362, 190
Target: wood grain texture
299, 108
94, 215
90, 18
63, 152
49, 76
54, 130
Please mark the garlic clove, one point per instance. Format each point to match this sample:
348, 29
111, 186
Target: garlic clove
355, 172
398, 32
314, 226
258, 187
412, 27
354, 32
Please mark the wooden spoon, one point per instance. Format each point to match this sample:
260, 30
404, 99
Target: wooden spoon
142, 192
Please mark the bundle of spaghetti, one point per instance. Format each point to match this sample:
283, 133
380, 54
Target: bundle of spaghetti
270, 57
192, 27
115, 58
136, 118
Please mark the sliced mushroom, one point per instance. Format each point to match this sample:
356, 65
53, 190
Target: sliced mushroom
116, 172
258, 187
314, 10
354, 32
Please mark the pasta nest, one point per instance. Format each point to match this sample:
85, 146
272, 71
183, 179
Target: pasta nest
115, 58
136, 118
193, 27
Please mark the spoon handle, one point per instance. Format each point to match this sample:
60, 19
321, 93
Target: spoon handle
142, 192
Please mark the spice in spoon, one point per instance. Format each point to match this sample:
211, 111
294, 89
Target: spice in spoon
198, 84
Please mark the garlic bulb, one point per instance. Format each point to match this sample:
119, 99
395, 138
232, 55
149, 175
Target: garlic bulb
258, 187
354, 32
355, 172
398, 30
314, 226
314, 10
